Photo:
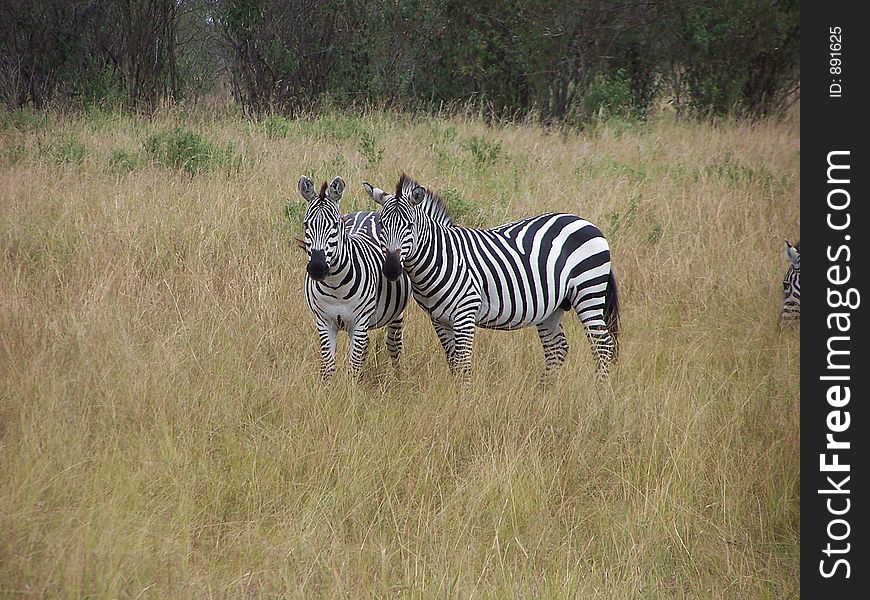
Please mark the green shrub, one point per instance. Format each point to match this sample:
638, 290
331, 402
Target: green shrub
291, 226
330, 127
15, 152
620, 220
187, 150
369, 149
294, 210
23, 119
98, 117
124, 161
609, 95
483, 152
735, 173
68, 151
466, 213
336, 164
655, 234
442, 132
276, 127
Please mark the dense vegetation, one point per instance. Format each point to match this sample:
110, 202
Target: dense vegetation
560, 59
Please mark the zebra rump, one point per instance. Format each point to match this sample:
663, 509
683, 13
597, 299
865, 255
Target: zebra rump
611, 311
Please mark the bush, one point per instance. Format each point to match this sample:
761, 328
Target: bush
609, 95
69, 151
294, 211
15, 152
483, 152
331, 127
276, 127
186, 150
23, 119
368, 147
465, 213
124, 161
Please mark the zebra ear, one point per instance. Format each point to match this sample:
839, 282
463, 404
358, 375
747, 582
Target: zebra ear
792, 254
336, 189
417, 195
306, 188
376, 194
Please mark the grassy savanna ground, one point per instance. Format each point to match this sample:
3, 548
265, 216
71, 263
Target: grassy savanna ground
164, 434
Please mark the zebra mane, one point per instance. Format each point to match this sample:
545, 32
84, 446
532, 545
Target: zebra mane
433, 205
322, 193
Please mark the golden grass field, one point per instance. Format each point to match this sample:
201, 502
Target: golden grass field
163, 433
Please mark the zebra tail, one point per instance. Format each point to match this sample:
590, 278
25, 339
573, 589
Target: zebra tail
611, 311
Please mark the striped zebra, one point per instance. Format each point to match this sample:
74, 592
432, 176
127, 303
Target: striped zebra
791, 286
528, 272
345, 287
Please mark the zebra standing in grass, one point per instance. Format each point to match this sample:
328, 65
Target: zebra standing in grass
345, 287
528, 272
791, 285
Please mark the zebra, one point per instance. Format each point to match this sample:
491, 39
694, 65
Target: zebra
528, 272
791, 286
344, 287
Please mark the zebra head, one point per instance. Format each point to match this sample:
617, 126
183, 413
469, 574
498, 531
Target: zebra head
791, 285
397, 223
322, 225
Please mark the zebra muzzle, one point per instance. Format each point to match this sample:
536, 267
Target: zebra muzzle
392, 265
317, 268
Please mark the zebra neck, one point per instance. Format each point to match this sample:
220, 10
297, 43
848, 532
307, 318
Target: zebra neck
427, 232
338, 270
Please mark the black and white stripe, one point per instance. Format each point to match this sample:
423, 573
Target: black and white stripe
529, 272
345, 287
791, 285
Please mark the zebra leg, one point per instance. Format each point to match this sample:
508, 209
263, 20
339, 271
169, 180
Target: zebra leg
394, 339
590, 309
602, 348
445, 336
327, 333
359, 347
463, 337
554, 342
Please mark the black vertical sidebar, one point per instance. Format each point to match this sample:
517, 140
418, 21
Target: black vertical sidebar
834, 365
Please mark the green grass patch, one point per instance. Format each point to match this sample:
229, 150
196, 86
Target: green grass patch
333, 127
125, 161
466, 212
737, 173
23, 119
276, 127
15, 152
482, 151
368, 147
187, 150
66, 151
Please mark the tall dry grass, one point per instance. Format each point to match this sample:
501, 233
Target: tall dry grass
163, 434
